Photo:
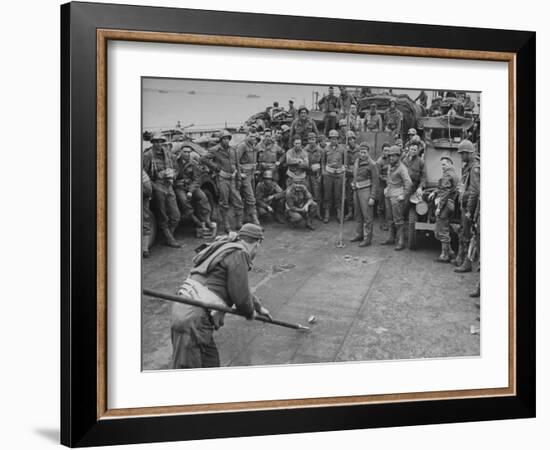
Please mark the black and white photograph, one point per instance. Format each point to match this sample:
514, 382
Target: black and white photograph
300, 224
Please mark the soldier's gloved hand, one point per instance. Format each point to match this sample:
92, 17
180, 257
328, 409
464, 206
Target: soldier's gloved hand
371, 202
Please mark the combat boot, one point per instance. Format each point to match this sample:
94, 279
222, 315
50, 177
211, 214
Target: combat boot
358, 233
225, 221
309, 224
238, 220
367, 237
459, 259
466, 266
196, 221
319, 216
391, 237
327, 215
400, 235
444, 256
170, 240
145, 246
349, 215
208, 220
254, 218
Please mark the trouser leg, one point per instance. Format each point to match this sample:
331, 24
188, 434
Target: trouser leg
367, 212
146, 227
247, 194
224, 187
237, 204
172, 210
398, 208
328, 193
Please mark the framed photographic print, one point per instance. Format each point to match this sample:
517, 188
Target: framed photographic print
274, 224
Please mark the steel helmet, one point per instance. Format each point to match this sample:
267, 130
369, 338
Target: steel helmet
252, 231
285, 128
465, 146
342, 122
225, 134
333, 133
416, 139
157, 137
394, 150
303, 107
311, 135
268, 175
412, 131
351, 134
364, 144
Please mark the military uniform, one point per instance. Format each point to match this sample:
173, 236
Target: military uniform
417, 171
247, 156
346, 100
366, 185
330, 105
397, 191
268, 194
219, 277
147, 192
188, 182
297, 163
301, 129
445, 200
469, 188
373, 122
383, 164
393, 120
314, 177
159, 166
297, 196
225, 161
268, 159
333, 171
352, 154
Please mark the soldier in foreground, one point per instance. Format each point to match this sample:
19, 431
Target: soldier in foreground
469, 190
300, 205
365, 187
159, 165
219, 276
397, 192
444, 198
222, 158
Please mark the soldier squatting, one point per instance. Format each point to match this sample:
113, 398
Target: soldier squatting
295, 175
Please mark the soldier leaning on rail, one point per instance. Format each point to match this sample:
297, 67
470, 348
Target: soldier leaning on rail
222, 158
269, 197
333, 170
365, 186
444, 198
159, 164
397, 192
147, 192
247, 154
469, 197
314, 176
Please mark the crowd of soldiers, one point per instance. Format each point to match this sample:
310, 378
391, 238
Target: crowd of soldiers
295, 174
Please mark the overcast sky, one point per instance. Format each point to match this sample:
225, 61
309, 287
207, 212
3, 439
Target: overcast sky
211, 104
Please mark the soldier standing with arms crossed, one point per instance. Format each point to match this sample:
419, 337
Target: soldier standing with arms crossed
397, 192
158, 163
222, 158
365, 187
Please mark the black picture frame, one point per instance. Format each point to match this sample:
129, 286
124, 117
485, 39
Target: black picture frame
80, 425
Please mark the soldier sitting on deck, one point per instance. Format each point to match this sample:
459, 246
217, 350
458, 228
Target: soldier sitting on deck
219, 277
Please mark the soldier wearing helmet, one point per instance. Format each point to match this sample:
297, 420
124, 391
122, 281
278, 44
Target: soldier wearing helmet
269, 197
417, 171
315, 156
469, 198
247, 154
365, 190
393, 118
299, 205
333, 167
352, 153
383, 164
302, 125
223, 159
159, 164
398, 189
219, 277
